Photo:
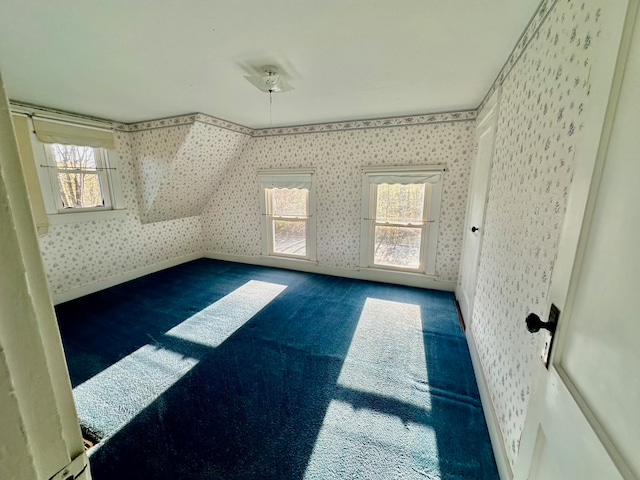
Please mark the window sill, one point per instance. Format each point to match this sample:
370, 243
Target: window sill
399, 271
78, 217
288, 259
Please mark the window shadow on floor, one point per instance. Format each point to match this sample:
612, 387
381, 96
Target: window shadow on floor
287, 395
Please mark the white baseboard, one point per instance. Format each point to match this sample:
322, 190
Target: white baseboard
497, 441
376, 275
117, 279
399, 278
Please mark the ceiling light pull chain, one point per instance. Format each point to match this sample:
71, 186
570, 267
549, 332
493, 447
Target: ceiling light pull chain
270, 107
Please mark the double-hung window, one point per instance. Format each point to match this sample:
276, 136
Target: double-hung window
288, 213
76, 170
401, 208
78, 176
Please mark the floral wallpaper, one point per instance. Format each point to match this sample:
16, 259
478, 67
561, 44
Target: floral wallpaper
540, 123
192, 180
82, 253
175, 169
231, 221
179, 166
155, 151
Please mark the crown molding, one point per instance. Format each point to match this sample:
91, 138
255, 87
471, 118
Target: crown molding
177, 121
187, 119
191, 118
411, 120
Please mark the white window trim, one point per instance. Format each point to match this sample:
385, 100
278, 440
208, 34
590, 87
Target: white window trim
430, 231
112, 191
285, 176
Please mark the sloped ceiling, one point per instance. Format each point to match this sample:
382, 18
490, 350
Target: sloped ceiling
179, 167
348, 59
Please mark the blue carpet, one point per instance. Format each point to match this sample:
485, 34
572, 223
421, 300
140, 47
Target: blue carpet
217, 370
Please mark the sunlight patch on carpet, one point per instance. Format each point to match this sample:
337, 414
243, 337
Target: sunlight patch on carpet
112, 398
213, 325
388, 342
378, 424
362, 444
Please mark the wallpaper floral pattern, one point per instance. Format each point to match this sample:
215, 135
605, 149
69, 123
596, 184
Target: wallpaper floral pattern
179, 166
154, 152
540, 122
545, 88
82, 253
232, 219
174, 169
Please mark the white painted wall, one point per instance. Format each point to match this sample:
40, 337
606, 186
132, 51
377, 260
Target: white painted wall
16, 461
39, 432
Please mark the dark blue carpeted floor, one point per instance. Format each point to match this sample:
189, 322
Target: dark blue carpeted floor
216, 370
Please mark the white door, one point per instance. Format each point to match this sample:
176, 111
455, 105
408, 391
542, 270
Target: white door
584, 416
485, 134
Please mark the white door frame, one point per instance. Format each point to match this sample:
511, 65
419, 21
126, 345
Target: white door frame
470, 259
32, 361
552, 388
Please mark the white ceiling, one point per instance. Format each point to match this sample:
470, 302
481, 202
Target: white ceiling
347, 59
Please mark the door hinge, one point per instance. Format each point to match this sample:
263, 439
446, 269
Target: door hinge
74, 469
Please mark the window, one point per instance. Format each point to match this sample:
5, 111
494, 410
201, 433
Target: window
78, 176
76, 170
401, 208
288, 207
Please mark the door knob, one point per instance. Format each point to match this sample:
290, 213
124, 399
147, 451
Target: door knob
534, 324
474, 229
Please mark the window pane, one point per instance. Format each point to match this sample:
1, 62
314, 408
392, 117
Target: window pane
289, 236
74, 157
80, 190
289, 202
397, 246
400, 203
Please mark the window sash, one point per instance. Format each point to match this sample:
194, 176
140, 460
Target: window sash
71, 179
272, 243
272, 219
420, 267
100, 170
422, 226
300, 179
